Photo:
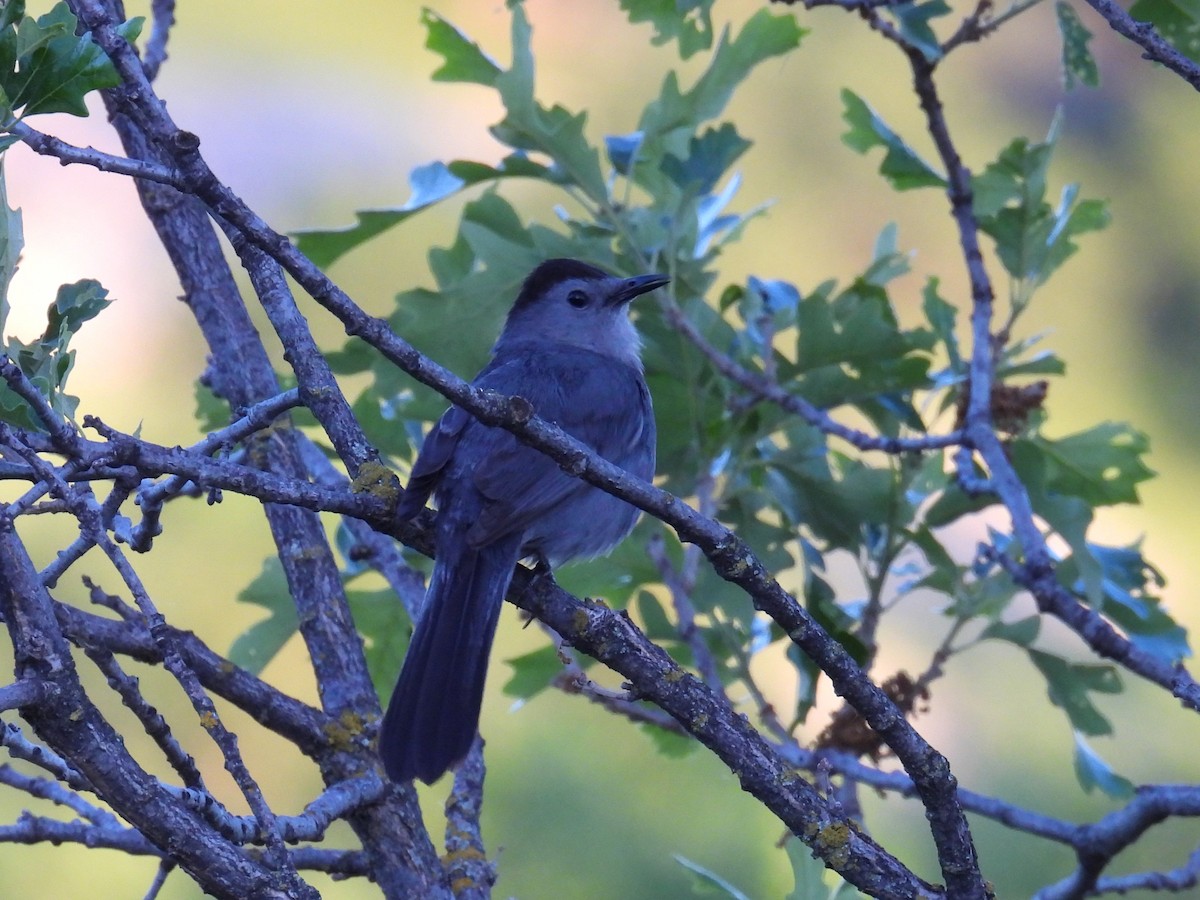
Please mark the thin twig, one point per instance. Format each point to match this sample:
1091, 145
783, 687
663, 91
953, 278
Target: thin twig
793, 403
1147, 37
165, 868
53, 791
68, 154
162, 16
151, 719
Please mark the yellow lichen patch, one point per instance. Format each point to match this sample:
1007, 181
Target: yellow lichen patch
464, 854
739, 567
346, 731
378, 480
456, 859
832, 843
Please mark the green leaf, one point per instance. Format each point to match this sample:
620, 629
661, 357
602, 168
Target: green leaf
841, 624
887, 262
837, 507
763, 36
74, 305
989, 597
385, 421
11, 11
48, 68
456, 324
1022, 632
670, 744
954, 503
713, 225
851, 349
1178, 21
532, 672
705, 881
622, 150
530, 126
652, 616
1032, 239
913, 21
262, 641
463, 60
941, 316
1093, 772
1070, 685
1079, 66
901, 165
48, 361
709, 156
1044, 363
767, 306
1018, 174
385, 629
12, 242
1101, 466
379, 615
808, 873
617, 576
942, 572
690, 406
1128, 583
811, 876
689, 22
1070, 220
430, 184
212, 413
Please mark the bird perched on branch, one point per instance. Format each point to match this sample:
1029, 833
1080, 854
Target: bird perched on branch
569, 348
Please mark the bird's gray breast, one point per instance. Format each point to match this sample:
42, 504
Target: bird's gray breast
600, 401
592, 522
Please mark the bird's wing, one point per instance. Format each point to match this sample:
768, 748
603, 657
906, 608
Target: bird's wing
431, 462
595, 399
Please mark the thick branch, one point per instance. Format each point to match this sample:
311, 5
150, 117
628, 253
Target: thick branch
611, 637
403, 859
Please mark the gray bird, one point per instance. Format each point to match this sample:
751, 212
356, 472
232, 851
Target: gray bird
569, 348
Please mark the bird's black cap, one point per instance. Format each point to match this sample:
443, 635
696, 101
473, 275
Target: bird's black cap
552, 272
556, 271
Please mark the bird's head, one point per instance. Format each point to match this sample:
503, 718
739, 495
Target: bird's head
566, 301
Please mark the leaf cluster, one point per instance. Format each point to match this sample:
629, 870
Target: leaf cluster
46, 67
662, 197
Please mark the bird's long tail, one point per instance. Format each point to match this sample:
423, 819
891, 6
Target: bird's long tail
434, 711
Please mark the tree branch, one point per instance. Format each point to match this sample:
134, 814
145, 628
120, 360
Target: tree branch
610, 637
1147, 37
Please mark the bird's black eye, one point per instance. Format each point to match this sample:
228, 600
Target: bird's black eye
577, 299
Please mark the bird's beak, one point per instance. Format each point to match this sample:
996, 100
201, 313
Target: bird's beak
636, 286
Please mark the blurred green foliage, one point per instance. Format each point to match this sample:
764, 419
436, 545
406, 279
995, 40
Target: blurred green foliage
661, 197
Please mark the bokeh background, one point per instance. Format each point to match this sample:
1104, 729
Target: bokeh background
311, 110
